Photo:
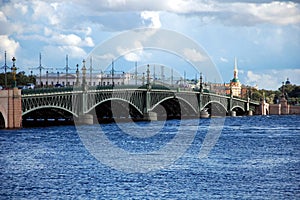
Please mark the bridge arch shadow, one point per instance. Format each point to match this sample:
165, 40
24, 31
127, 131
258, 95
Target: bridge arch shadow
215, 109
48, 116
174, 108
238, 110
115, 109
2, 121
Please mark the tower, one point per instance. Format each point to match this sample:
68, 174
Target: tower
235, 84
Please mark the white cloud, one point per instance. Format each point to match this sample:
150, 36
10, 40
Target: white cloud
44, 10
54, 52
272, 79
88, 41
3, 17
106, 57
194, 55
133, 53
277, 12
224, 60
9, 45
153, 17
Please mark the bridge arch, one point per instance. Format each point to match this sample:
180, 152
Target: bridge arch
220, 113
174, 97
210, 102
3, 117
237, 107
41, 107
239, 110
114, 99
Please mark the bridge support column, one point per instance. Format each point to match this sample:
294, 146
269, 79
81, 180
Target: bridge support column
233, 113
250, 113
11, 107
204, 114
150, 116
86, 119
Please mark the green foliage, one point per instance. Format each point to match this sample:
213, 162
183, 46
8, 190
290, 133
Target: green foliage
291, 92
21, 78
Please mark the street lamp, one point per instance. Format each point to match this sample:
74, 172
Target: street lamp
5, 67
57, 77
112, 74
201, 83
83, 73
47, 78
143, 78
14, 69
148, 74
77, 76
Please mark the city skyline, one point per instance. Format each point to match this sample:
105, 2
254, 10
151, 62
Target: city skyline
264, 36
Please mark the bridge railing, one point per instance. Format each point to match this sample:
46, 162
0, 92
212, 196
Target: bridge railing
49, 90
99, 87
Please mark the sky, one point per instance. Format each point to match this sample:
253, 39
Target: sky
263, 35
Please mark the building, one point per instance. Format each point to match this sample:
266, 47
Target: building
235, 85
51, 79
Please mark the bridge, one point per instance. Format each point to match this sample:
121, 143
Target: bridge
104, 103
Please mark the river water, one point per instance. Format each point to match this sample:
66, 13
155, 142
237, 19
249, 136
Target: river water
254, 157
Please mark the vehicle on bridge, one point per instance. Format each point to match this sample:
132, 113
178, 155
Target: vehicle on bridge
30, 86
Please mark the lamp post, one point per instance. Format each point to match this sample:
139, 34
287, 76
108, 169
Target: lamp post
283, 96
77, 76
47, 78
112, 73
172, 77
31, 76
91, 71
143, 78
67, 69
14, 69
148, 74
83, 73
5, 67
57, 77
201, 83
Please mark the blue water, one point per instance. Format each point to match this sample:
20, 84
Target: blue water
254, 158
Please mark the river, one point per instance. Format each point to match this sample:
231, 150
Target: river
254, 157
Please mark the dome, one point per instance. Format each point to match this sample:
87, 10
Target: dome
235, 80
287, 82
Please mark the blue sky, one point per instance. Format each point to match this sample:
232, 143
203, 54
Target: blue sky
263, 35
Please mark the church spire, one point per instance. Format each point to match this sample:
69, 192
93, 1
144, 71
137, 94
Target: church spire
235, 72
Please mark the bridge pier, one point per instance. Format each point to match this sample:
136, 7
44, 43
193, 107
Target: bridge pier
204, 114
11, 108
150, 116
250, 113
85, 119
233, 113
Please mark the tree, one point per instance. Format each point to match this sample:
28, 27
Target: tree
21, 79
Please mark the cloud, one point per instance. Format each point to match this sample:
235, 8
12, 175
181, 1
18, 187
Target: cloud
55, 52
272, 79
153, 17
224, 60
134, 53
194, 55
106, 57
9, 45
45, 11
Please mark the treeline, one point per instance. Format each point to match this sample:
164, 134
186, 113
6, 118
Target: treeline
21, 78
291, 93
